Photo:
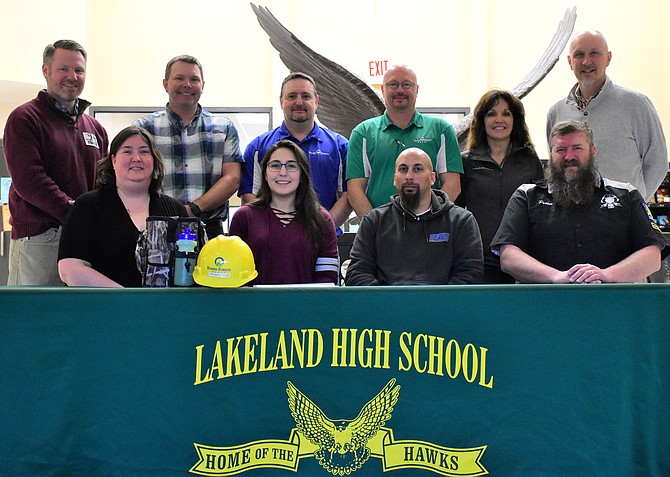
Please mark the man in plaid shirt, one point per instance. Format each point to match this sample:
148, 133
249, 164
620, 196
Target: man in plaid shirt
201, 150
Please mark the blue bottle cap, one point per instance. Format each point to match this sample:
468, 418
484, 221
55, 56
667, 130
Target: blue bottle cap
186, 235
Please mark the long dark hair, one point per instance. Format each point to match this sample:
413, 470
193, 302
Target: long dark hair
105, 171
520, 134
308, 209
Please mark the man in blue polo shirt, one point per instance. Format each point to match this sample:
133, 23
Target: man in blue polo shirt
326, 150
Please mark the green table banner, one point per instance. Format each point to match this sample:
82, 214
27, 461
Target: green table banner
524, 381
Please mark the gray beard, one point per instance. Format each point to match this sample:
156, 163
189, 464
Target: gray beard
586, 84
576, 190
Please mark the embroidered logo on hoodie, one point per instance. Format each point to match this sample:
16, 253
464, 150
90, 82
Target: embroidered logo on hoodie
440, 237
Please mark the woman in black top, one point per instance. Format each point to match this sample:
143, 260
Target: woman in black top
500, 158
97, 246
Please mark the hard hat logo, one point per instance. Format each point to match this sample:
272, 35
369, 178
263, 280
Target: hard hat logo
225, 262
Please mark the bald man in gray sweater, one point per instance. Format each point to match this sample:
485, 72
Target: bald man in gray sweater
625, 124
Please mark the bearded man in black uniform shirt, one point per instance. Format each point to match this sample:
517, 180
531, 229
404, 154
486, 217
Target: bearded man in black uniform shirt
577, 226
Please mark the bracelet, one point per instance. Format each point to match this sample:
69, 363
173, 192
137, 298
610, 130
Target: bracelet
195, 209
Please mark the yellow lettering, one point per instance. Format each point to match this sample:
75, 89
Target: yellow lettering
250, 342
217, 362
298, 347
482, 370
405, 339
453, 348
364, 352
232, 356
198, 368
352, 348
470, 372
382, 347
315, 349
417, 350
369, 349
428, 354
280, 355
339, 347
271, 366
435, 355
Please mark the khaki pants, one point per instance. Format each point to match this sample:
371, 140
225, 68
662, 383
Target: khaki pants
34, 260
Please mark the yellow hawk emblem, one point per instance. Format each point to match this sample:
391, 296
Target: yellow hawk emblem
342, 443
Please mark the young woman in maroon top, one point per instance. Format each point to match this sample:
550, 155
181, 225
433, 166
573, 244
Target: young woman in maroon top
291, 235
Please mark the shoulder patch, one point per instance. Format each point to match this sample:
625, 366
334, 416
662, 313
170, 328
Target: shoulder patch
654, 225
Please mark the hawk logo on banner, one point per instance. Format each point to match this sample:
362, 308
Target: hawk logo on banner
341, 447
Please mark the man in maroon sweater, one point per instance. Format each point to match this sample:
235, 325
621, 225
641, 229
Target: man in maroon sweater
51, 148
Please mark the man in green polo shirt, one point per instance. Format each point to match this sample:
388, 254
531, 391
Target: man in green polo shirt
375, 143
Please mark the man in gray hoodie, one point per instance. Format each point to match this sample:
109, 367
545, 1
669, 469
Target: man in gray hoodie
419, 238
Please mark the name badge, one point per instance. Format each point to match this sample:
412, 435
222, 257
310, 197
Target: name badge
91, 139
441, 237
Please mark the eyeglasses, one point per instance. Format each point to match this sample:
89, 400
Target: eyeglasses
404, 84
291, 166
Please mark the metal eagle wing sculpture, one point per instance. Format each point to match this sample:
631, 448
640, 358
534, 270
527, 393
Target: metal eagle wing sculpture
345, 100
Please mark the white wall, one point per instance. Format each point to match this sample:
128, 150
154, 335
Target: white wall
22, 42
458, 48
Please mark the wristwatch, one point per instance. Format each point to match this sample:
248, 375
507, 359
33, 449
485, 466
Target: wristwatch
194, 208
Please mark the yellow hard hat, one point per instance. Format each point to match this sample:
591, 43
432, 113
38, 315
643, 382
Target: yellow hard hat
225, 262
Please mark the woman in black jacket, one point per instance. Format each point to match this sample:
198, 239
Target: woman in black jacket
500, 158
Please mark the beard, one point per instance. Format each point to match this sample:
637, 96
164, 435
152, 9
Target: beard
399, 102
588, 83
299, 117
410, 198
568, 187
